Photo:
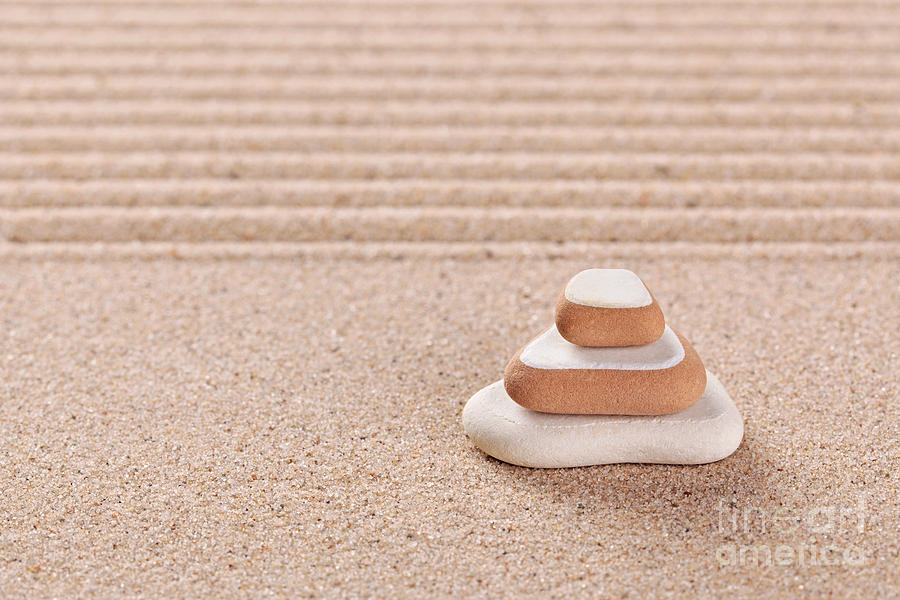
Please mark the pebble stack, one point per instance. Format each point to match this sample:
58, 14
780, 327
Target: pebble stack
609, 382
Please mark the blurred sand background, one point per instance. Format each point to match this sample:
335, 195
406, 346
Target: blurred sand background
255, 256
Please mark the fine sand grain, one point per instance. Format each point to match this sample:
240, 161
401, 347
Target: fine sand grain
255, 257
293, 427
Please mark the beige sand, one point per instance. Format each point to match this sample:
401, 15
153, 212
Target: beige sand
293, 426
254, 257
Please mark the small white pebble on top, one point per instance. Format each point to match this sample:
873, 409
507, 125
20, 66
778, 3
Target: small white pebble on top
608, 288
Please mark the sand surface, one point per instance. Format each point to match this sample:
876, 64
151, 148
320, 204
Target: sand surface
254, 258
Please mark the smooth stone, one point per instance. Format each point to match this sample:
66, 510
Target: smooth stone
608, 308
550, 374
708, 431
550, 351
608, 288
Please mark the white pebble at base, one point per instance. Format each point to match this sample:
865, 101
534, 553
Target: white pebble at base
708, 431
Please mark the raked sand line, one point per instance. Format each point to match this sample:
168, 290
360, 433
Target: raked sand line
522, 139
438, 4
515, 15
443, 165
487, 88
390, 4
659, 193
399, 23
443, 251
457, 113
448, 63
788, 42
447, 224
673, 18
